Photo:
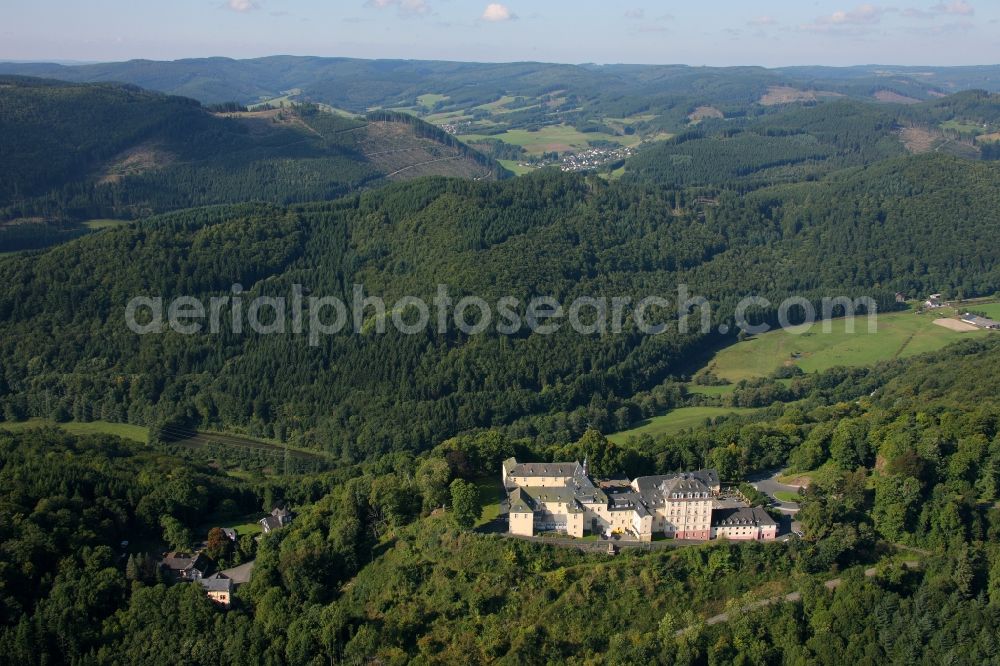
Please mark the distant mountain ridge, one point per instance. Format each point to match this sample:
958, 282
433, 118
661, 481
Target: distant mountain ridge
357, 84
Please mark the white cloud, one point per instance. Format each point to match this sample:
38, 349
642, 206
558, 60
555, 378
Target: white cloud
407, 7
636, 14
861, 15
763, 20
241, 5
496, 12
853, 21
956, 7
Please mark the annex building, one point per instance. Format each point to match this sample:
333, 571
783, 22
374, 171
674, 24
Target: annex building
562, 497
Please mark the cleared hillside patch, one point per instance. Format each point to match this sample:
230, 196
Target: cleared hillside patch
894, 97
777, 95
919, 140
703, 112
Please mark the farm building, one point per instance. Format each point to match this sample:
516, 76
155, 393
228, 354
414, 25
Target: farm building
981, 322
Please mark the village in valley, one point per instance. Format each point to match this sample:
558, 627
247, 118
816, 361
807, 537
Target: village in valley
591, 158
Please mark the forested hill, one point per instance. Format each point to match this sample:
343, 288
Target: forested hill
915, 224
80, 151
904, 462
357, 84
798, 143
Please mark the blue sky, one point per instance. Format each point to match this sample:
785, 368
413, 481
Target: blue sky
705, 32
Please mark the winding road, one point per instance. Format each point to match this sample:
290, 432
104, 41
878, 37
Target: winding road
791, 597
767, 483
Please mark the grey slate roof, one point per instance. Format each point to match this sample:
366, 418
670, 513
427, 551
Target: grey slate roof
656, 490
181, 562
981, 322
750, 517
539, 495
520, 502
543, 469
217, 582
270, 523
628, 501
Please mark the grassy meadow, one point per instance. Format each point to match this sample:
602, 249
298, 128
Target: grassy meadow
428, 100
675, 421
96, 225
991, 310
899, 334
515, 167
559, 138
123, 430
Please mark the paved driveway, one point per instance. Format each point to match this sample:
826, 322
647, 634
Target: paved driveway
767, 483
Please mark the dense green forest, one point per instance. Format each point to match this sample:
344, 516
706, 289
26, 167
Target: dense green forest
794, 145
551, 234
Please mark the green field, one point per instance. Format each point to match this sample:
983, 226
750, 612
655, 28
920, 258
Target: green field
515, 167
558, 138
123, 430
676, 421
991, 310
787, 496
243, 525
899, 334
95, 225
446, 117
963, 126
497, 105
288, 99
428, 100
616, 174
711, 390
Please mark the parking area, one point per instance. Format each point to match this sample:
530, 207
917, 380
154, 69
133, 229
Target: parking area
767, 482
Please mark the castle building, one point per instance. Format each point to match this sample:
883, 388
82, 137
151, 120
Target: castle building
562, 497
